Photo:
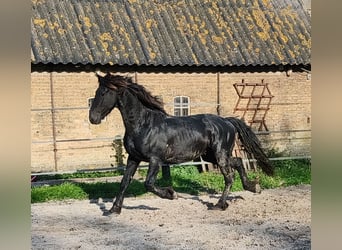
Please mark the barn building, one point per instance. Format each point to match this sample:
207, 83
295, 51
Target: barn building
244, 58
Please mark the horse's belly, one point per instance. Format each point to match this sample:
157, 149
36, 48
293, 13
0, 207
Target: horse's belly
182, 153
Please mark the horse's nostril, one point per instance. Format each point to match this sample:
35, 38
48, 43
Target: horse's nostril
94, 118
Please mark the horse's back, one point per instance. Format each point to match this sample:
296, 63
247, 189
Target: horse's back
180, 139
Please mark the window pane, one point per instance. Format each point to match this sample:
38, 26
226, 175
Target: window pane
177, 99
181, 105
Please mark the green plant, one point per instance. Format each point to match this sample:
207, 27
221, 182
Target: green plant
184, 179
294, 172
67, 176
274, 152
60, 192
80, 191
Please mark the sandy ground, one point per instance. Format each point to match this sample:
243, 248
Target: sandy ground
275, 219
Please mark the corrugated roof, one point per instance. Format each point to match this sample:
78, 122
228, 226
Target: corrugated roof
182, 32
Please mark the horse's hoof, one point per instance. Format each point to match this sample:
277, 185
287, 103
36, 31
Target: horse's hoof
171, 194
254, 187
257, 188
224, 206
106, 213
214, 207
174, 196
115, 210
220, 206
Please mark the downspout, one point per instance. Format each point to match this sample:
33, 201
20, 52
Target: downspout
53, 120
218, 105
135, 76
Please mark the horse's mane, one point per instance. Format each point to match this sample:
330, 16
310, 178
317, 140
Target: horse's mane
121, 83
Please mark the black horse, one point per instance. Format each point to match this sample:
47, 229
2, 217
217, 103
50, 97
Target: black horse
153, 136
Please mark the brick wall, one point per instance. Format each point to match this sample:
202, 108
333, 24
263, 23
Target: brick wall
74, 143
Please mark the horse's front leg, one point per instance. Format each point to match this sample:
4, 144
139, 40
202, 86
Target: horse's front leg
126, 180
153, 169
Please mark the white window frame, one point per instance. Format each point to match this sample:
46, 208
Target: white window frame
179, 108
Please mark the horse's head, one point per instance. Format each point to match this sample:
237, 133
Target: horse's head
105, 100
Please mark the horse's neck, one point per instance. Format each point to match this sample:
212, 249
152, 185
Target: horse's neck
133, 112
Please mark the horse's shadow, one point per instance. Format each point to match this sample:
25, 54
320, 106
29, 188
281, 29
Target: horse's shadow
211, 205
101, 204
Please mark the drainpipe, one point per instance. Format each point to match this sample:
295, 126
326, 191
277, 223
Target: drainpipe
53, 120
218, 105
135, 76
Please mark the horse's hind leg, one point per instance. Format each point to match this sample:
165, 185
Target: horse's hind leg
228, 175
166, 193
252, 186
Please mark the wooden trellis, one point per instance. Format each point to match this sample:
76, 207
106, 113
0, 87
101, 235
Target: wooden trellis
240, 152
254, 102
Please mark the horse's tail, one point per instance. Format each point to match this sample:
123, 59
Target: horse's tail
252, 144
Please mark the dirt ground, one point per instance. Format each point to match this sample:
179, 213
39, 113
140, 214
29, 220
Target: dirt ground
275, 219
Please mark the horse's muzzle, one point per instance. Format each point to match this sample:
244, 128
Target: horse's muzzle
94, 118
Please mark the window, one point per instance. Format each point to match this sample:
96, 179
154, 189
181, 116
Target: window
181, 106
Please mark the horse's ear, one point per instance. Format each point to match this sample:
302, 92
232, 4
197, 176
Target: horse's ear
97, 73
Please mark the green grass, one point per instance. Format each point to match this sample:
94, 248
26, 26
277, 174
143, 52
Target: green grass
79, 191
79, 175
60, 192
184, 179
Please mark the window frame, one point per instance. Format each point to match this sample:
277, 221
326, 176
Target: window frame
181, 106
